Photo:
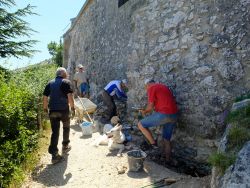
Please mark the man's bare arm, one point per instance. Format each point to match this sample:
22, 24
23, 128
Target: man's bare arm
45, 103
71, 101
148, 109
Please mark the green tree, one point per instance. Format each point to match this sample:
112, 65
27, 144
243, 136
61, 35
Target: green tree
56, 51
12, 27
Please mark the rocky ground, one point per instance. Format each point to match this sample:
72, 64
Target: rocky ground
95, 167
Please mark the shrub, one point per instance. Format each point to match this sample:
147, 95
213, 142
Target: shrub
237, 136
238, 115
222, 161
243, 97
19, 105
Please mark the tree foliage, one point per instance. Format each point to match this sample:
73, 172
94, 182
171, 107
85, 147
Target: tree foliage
12, 27
56, 51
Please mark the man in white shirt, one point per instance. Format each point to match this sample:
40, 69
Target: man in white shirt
81, 82
115, 88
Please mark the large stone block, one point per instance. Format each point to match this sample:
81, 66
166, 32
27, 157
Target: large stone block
238, 175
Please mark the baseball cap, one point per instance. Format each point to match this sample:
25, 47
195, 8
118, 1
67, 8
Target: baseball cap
147, 81
80, 66
124, 81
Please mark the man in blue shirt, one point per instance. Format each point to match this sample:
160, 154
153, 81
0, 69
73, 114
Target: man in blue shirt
115, 88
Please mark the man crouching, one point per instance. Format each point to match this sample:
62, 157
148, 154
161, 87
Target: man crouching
162, 101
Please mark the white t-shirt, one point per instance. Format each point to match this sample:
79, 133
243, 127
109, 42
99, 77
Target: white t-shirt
80, 77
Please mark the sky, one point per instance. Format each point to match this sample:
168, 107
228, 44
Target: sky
51, 23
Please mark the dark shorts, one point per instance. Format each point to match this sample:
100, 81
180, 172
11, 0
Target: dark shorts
84, 88
168, 121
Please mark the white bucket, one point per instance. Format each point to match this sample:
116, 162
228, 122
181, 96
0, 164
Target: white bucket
87, 128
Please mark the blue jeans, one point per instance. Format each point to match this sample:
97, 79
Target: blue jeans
84, 88
167, 120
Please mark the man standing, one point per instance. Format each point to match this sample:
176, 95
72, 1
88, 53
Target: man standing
57, 96
115, 88
81, 82
161, 100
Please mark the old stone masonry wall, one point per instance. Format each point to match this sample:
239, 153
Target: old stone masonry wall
200, 48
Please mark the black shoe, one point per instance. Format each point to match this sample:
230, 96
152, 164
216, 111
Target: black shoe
66, 149
56, 158
154, 152
154, 147
145, 146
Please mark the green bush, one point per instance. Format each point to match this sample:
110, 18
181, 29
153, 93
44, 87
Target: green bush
243, 97
20, 102
239, 115
222, 160
237, 136
13, 153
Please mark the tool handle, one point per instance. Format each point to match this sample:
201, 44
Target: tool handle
85, 109
137, 108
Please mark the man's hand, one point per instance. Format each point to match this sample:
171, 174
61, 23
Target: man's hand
72, 112
143, 112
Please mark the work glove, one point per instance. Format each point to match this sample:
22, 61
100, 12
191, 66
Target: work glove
45, 113
141, 114
72, 112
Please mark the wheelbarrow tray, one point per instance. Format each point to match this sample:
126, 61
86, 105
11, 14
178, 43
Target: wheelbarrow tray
90, 107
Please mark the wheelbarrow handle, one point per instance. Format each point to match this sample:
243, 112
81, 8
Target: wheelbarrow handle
85, 109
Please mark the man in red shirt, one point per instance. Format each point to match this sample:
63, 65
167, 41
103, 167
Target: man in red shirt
162, 101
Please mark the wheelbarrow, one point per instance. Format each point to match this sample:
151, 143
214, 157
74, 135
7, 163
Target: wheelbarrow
87, 124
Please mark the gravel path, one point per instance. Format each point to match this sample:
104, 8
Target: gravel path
95, 167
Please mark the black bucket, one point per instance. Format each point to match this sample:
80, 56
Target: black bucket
135, 160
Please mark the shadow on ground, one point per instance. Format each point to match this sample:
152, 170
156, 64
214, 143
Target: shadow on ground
56, 171
76, 127
138, 175
86, 136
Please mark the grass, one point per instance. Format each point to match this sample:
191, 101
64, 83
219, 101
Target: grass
222, 160
46, 124
31, 161
243, 97
238, 135
239, 115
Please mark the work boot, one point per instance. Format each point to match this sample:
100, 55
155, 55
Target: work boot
66, 149
56, 158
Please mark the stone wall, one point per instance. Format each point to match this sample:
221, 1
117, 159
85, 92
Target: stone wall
200, 48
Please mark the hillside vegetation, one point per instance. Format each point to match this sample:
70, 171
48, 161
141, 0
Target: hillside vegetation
238, 135
20, 113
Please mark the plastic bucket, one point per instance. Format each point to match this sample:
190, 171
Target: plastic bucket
135, 160
87, 128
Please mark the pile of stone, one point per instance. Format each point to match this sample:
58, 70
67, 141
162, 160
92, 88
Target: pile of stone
101, 118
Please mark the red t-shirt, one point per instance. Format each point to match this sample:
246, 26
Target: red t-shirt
162, 98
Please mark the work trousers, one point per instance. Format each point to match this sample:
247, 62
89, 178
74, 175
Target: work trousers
109, 102
55, 118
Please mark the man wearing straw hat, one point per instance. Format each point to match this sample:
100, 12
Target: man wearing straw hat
81, 82
58, 96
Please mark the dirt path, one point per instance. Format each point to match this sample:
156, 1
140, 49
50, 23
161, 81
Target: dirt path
95, 167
